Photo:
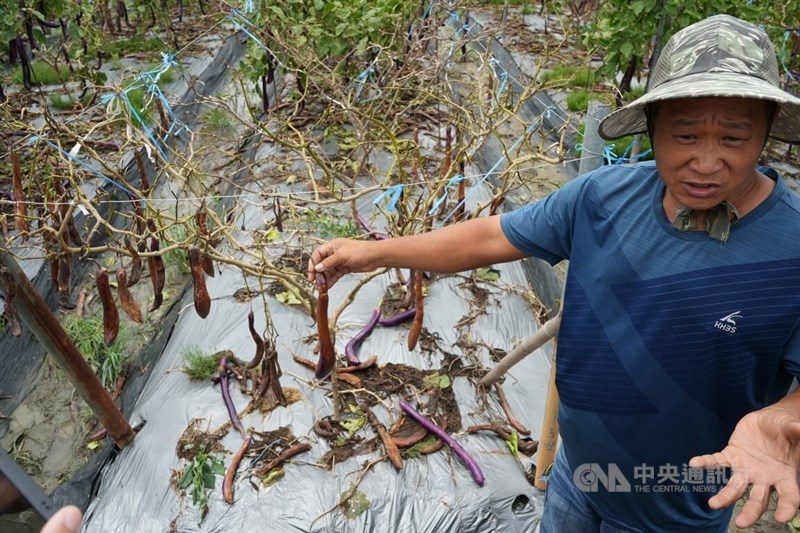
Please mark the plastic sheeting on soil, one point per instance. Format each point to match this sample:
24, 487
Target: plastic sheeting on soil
431, 493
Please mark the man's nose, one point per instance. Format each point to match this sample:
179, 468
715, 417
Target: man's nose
706, 159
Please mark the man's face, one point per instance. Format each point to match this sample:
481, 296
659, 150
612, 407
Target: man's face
706, 150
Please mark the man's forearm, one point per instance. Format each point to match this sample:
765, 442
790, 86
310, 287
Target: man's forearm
463, 246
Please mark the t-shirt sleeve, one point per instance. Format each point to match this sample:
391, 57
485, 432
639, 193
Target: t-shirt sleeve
544, 229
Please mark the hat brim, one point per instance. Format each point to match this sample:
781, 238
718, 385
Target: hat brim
631, 119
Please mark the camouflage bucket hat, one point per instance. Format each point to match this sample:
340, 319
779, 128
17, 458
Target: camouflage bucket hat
719, 56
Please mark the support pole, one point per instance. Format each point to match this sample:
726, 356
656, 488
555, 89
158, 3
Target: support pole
47, 329
548, 441
548, 330
593, 144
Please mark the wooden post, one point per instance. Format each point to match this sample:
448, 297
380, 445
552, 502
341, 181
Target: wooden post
45, 326
548, 441
593, 144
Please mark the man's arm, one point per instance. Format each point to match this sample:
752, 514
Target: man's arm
764, 454
464, 246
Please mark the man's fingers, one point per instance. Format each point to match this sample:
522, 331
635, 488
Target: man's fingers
788, 500
792, 431
709, 460
317, 262
732, 491
66, 520
754, 507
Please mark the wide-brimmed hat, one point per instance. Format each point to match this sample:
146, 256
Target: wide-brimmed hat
719, 56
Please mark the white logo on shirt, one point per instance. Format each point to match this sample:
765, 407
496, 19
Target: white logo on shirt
728, 322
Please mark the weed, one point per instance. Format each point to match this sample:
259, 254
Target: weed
622, 146
578, 101
217, 120
199, 477
135, 44
569, 76
177, 257
23, 457
329, 227
67, 102
199, 364
43, 74
60, 101
87, 334
633, 94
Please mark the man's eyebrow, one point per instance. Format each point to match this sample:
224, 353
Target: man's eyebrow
732, 124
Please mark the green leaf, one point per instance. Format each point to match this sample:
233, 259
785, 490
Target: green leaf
414, 451
272, 477
626, 49
272, 235
488, 274
439, 380
513, 444
354, 503
319, 5
186, 480
288, 298
217, 467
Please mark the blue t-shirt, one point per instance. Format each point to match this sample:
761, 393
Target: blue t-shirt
667, 338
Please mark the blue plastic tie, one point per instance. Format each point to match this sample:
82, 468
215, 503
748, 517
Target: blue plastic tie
455, 179
71, 157
394, 196
366, 75
530, 129
235, 14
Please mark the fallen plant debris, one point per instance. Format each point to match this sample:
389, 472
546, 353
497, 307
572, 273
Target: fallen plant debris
516, 424
230, 473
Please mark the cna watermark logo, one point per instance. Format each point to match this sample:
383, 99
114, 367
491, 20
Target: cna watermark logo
593, 477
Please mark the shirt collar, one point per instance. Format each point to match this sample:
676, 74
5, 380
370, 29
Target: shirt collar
718, 220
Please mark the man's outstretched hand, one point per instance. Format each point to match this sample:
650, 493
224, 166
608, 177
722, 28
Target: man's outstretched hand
763, 453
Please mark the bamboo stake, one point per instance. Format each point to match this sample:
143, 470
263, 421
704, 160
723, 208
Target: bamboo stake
548, 330
45, 326
549, 437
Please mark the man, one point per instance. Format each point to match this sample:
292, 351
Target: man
680, 323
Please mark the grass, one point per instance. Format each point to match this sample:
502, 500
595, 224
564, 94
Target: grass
199, 364
136, 44
329, 227
622, 146
633, 94
566, 76
67, 102
217, 120
43, 74
87, 334
176, 257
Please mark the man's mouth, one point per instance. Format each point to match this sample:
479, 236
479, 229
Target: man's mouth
700, 189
